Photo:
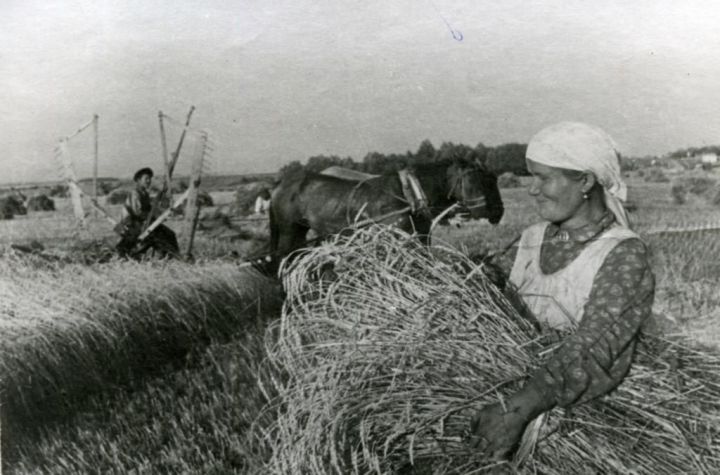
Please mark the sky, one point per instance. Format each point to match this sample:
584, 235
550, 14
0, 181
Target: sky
279, 80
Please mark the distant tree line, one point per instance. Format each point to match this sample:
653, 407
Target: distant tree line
693, 151
503, 158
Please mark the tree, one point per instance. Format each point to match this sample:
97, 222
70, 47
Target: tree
426, 152
508, 157
451, 151
319, 163
375, 162
290, 169
348, 162
481, 152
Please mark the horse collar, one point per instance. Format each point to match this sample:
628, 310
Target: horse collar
413, 192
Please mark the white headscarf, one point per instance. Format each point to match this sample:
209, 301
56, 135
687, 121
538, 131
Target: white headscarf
582, 147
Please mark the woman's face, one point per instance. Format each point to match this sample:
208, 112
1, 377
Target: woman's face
557, 196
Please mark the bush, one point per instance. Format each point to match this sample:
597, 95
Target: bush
629, 164
204, 199
679, 194
700, 185
656, 175
703, 187
41, 203
59, 191
11, 206
7, 209
106, 187
508, 180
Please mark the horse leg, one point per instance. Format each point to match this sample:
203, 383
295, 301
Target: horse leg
422, 226
274, 231
417, 225
271, 262
291, 238
288, 238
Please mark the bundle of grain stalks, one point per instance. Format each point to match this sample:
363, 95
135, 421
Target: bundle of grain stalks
71, 330
385, 349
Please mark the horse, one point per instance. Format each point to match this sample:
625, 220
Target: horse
327, 204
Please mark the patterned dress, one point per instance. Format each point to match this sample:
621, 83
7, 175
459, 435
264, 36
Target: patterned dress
594, 359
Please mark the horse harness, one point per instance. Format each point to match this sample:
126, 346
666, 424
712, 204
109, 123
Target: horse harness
469, 204
413, 192
413, 195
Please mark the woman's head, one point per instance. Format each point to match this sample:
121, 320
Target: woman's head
560, 193
575, 165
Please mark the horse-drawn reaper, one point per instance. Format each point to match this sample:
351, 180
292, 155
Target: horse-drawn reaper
327, 203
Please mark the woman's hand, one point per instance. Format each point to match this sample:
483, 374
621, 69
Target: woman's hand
496, 430
497, 433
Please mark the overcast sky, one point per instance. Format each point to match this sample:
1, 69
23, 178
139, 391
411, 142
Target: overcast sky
281, 80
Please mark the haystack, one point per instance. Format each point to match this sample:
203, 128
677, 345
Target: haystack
385, 349
11, 206
204, 199
41, 203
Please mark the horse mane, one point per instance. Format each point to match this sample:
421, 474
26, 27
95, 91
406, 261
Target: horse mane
446, 163
434, 168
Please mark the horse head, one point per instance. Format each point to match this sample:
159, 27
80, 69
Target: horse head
475, 189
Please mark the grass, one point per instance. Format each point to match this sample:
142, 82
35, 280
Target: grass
187, 416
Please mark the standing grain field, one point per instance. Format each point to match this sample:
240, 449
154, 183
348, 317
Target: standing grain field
71, 331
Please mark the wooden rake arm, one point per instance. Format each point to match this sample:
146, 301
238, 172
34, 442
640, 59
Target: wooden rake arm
165, 214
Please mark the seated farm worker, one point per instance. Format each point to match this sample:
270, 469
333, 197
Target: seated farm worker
582, 272
262, 202
137, 212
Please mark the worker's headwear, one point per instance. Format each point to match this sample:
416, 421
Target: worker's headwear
141, 172
582, 147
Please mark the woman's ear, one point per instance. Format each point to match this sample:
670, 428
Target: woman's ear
589, 182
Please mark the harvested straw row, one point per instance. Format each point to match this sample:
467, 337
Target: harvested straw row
71, 330
384, 348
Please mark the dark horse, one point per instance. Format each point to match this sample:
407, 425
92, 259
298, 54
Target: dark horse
328, 204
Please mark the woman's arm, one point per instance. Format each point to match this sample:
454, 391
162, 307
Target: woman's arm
590, 362
595, 359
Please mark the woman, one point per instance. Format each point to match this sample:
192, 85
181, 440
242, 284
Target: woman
581, 269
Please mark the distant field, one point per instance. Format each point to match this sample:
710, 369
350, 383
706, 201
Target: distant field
654, 199
209, 182
59, 230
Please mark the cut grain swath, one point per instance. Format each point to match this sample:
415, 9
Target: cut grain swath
61, 343
385, 348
